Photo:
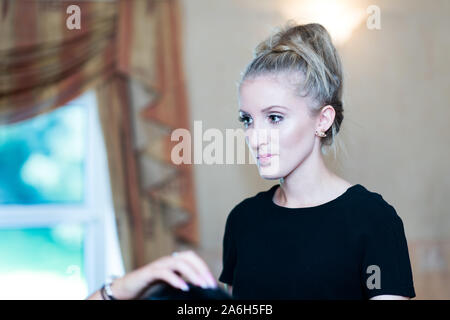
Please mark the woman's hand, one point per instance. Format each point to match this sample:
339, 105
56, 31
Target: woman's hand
176, 270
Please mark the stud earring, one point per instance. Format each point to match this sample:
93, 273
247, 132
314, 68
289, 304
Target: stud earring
321, 134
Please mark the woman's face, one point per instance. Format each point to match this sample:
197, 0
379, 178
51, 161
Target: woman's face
278, 127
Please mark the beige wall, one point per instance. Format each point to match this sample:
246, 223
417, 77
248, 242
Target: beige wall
396, 96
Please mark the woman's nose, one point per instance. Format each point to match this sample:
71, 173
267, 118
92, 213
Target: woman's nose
259, 138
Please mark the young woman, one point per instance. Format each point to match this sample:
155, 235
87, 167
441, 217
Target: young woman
314, 235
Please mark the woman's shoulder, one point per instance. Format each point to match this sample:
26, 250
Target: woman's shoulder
248, 204
369, 197
371, 206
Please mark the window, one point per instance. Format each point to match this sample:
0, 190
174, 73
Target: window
57, 229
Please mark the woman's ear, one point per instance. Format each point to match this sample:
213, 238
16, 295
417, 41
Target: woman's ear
326, 118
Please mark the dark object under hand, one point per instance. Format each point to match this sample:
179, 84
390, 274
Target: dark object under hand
164, 291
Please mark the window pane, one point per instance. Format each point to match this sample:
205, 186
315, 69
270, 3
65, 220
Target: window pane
43, 263
42, 159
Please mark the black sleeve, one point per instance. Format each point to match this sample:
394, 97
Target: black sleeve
386, 268
229, 251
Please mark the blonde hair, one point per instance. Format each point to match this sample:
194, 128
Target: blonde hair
306, 49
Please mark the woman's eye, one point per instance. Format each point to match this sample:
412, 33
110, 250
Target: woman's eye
274, 118
245, 120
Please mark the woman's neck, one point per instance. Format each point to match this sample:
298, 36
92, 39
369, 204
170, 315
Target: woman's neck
309, 184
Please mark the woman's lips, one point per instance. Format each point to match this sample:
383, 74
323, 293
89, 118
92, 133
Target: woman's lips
265, 159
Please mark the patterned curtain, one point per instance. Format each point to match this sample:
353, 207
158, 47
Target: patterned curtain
129, 52
43, 64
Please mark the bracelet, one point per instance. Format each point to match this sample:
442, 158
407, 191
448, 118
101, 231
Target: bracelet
103, 294
106, 291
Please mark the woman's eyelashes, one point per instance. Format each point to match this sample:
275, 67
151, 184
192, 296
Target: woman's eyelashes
275, 118
272, 118
245, 119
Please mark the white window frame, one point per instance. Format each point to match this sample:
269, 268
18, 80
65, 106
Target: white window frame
102, 256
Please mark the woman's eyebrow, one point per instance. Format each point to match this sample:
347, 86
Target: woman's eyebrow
272, 107
266, 109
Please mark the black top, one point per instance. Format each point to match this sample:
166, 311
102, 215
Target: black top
352, 247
